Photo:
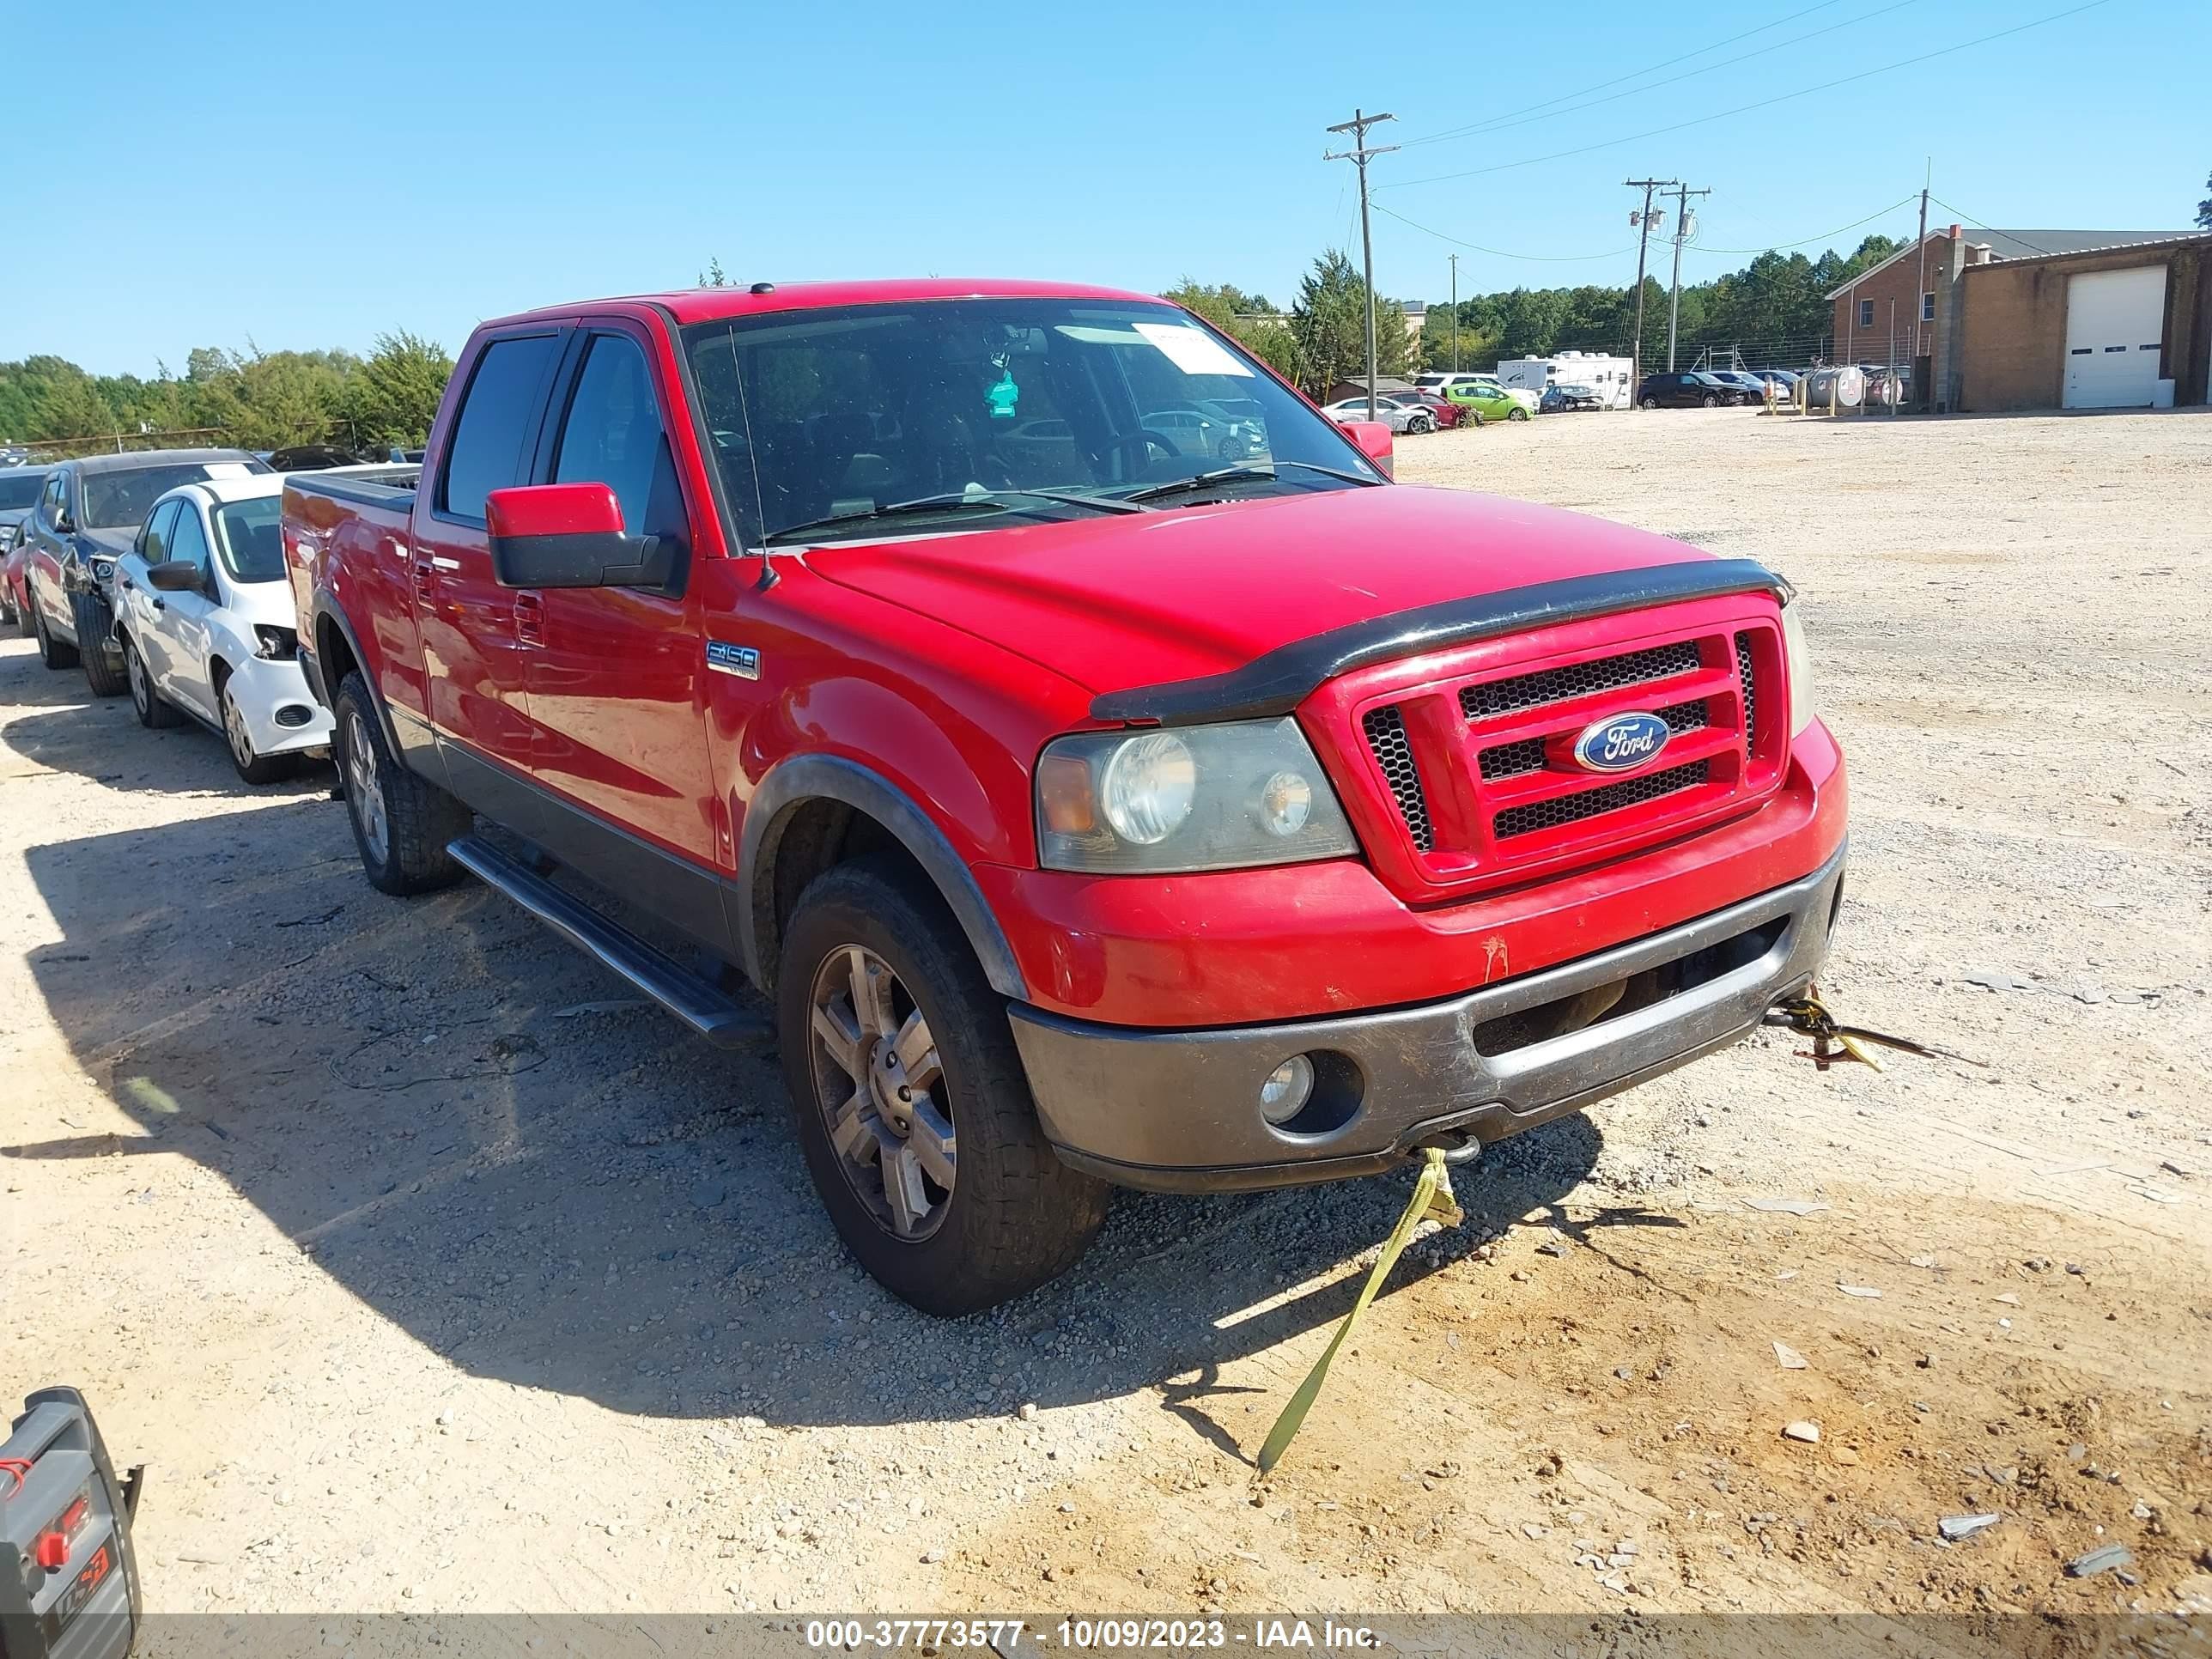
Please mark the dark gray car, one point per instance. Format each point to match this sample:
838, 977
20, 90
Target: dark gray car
87, 516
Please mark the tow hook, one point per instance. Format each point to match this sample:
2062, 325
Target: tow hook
1807, 1014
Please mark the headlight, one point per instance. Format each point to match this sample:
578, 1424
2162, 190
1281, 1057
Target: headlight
279, 644
1802, 703
102, 569
1199, 797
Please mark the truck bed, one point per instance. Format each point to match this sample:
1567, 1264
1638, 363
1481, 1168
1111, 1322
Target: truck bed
389, 487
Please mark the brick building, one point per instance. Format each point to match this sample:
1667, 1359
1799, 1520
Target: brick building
1907, 310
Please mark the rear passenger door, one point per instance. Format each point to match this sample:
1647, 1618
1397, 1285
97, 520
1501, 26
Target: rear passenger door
616, 674
473, 660
144, 607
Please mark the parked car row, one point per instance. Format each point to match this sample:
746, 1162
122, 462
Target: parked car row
161, 574
1453, 400
1712, 388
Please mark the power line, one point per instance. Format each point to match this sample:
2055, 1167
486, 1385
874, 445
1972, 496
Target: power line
1501, 123
1737, 110
1778, 248
1433, 138
1541, 258
1970, 220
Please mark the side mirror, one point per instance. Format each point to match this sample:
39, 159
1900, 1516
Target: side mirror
174, 576
64, 525
570, 535
1373, 438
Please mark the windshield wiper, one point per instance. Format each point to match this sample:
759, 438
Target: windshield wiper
1236, 475
959, 500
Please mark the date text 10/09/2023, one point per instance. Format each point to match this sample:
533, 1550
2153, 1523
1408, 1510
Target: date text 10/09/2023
1005, 1636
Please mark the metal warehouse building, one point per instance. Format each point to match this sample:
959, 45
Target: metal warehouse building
2115, 327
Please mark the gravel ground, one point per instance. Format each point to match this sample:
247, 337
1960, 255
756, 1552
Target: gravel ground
428, 1272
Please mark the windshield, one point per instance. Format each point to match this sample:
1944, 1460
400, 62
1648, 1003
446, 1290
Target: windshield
825, 418
253, 548
121, 500
20, 487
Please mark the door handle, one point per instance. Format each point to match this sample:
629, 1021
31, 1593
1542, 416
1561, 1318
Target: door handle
529, 619
425, 576
161, 604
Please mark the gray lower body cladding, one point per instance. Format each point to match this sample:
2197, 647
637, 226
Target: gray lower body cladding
1178, 1111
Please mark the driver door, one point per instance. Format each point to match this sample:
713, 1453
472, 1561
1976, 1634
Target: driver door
184, 621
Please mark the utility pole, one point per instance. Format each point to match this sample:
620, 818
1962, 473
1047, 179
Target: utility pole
1682, 195
1921, 287
1454, 266
1644, 218
1358, 155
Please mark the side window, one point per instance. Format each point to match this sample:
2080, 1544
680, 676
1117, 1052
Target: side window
486, 450
49, 509
155, 544
612, 434
187, 540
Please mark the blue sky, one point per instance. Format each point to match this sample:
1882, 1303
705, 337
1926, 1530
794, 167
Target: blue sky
193, 175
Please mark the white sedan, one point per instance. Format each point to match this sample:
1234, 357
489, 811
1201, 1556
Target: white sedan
1405, 416
205, 615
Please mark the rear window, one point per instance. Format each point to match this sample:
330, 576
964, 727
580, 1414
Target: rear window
252, 545
496, 419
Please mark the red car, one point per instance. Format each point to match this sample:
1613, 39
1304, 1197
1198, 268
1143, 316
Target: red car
1448, 414
1087, 812
19, 493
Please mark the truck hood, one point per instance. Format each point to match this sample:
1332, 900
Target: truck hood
1117, 602
109, 544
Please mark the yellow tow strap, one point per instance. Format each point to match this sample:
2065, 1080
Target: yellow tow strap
1432, 1198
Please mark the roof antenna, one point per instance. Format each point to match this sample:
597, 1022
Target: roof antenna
761, 287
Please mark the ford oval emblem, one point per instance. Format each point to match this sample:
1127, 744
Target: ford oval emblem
1620, 742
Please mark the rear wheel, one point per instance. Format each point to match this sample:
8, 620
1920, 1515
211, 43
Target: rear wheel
153, 713
913, 1110
238, 737
401, 822
52, 651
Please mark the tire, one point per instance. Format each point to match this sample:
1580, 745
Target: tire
1420, 423
1650, 403
1516, 413
153, 713
52, 651
1709, 401
1012, 1216
403, 851
24, 625
255, 768
1474, 415
95, 625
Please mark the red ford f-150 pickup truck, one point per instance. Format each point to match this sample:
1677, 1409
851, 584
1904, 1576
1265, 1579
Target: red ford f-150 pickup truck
1090, 811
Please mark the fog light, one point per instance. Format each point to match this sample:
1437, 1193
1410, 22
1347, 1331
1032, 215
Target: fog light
1287, 1089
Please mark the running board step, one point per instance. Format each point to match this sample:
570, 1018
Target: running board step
706, 1008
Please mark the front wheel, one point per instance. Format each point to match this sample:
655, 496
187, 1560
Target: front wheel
1709, 401
255, 768
95, 627
1517, 413
913, 1110
1420, 423
1650, 403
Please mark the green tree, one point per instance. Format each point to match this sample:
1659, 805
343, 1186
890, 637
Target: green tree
2204, 207
394, 396
713, 276
71, 407
1328, 321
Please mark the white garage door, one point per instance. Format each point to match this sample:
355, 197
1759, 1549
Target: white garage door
2114, 319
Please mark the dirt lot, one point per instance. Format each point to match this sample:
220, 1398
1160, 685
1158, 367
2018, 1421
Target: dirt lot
425, 1279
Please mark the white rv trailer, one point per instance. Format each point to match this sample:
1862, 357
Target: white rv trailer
1609, 377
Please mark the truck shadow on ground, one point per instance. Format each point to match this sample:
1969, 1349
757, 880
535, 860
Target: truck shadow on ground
485, 1138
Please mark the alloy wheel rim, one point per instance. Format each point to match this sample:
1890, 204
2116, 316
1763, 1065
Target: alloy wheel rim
233, 726
363, 792
879, 1084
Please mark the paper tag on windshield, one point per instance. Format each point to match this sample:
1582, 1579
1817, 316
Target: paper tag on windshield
1193, 351
228, 470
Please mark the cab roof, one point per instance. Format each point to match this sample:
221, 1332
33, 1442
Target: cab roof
137, 460
709, 305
